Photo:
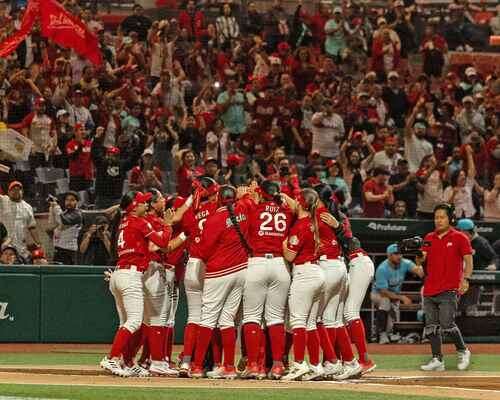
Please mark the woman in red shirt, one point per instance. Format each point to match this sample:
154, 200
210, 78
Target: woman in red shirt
302, 248
185, 173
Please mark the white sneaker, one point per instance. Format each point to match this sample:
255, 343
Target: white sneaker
185, 370
316, 372
137, 371
113, 365
216, 373
333, 369
394, 337
463, 360
433, 365
162, 368
383, 338
296, 371
351, 368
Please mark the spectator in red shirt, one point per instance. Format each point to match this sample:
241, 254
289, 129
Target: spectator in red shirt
377, 194
385, 54
448, 255
193, 21
80, 160
433, 49
185, 173
145, 175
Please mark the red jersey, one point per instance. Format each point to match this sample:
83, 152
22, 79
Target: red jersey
221, 246
158, 226
373, 209
134, 235
445, 261
269, 226
184, 181
192, 225
80, 159
330, 246
301, 241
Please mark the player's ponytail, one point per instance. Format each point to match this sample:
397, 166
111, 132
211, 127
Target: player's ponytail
309, 201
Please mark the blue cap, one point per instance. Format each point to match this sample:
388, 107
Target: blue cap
465, 224
393, 249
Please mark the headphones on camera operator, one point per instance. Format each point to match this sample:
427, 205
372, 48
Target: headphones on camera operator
450, 211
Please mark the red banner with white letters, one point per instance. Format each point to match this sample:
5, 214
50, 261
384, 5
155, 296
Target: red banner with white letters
66, 30
10, 44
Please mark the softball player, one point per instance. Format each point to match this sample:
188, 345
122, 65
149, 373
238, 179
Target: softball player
225, 250
135, 235
268, 280
302, 248
193, 221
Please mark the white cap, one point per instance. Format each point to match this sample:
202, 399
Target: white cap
393, 74
470, 71
381, 20
148, 151
337, 10
274, 60
60, 113
468, 99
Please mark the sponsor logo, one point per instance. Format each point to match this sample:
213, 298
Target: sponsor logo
239, 218
294, 240
3, 312
449, 244
387, 227
484, 229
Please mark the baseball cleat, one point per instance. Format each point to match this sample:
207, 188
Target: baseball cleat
251, 371
367, 367
229, 372
463, 360
197, 373
262, 373
137, 371
433, 365
297, 370
216, 372
162, 368
350, 369
315, 373
384, 338
113, 366
185, 370
332, 369
277, 371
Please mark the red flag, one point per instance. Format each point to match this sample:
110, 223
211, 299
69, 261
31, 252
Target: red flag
67, 30
10, 44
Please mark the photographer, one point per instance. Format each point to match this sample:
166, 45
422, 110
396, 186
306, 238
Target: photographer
94, 243
66, 226
483, 254
445, 251
386, 291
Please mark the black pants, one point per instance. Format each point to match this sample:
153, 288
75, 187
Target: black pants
63, 256
440, 313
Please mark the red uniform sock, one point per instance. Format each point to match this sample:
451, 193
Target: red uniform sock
253, 336
262, 349
288, 346
228, 345
156, 339
344, 344
205, 336
358, 337
217, 347
277, 335
313, 346
190, 336
326, 345
169, 340
332, 336
299, 344
120, 341
137, 340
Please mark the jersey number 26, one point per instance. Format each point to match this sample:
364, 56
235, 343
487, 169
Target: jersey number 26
278, 219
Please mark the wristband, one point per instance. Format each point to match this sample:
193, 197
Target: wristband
189, 201
182, 236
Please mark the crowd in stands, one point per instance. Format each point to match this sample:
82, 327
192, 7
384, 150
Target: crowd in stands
361, 99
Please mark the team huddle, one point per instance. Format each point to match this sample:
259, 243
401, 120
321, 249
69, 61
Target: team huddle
287, 271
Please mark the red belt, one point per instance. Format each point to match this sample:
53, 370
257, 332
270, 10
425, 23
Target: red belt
268, 255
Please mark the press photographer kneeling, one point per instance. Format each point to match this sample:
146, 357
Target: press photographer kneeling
447, 254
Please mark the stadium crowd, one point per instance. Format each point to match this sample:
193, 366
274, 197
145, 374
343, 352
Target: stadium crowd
361, 99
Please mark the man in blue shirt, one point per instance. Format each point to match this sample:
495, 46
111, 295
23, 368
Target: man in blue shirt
386, 290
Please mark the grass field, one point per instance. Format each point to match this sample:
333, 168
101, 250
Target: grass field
480, 362
91, 393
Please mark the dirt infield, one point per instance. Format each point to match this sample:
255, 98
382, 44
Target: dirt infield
465, 385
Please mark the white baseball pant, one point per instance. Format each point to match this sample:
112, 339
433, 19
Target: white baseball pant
126, 285
361, 271
193, 285
333, 296
221, 300
173, 293
156, 302
266, 290
305, 293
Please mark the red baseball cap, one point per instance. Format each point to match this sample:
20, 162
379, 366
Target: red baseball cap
391, 140
39, 101
330, 163
357, 135
140, 198
283, 46
78, 125
13, 184
37, 253
112, 150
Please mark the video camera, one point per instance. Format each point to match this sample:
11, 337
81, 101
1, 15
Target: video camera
412, 246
